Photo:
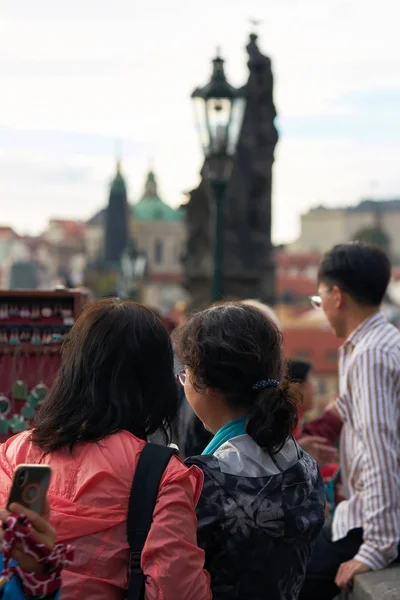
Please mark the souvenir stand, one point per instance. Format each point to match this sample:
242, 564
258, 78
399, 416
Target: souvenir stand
33, 325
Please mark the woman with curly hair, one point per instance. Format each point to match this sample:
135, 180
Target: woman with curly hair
262, 503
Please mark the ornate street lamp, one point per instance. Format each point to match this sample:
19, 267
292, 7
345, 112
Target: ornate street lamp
133, 266
219, 111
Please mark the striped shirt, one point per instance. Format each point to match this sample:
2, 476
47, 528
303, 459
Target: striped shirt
369, 405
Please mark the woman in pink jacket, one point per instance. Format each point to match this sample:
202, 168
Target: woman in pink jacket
115, 388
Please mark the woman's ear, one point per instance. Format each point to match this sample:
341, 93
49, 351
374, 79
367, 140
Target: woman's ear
212, 392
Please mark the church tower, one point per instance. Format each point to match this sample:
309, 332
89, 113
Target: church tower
116, 220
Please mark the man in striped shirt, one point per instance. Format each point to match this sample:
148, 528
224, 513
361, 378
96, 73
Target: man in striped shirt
365, 532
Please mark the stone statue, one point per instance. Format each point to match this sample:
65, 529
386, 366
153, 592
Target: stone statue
248, 253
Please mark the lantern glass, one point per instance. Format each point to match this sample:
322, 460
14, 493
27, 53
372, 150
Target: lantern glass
235, 127
218, 115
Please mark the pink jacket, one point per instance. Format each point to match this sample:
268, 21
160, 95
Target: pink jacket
89, 495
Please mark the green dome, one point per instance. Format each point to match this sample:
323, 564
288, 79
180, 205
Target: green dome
151, 208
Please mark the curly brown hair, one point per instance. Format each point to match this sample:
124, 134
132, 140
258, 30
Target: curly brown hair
230, 347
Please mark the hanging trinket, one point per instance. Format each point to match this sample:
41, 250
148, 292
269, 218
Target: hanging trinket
36, 338
67, 313
28, 412
35, 313
25, 336
47, 312
4, 427
37, 395
17, 424
19, 390
5, 406
14, 338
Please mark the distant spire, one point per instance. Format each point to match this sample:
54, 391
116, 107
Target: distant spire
150, 187
118, 156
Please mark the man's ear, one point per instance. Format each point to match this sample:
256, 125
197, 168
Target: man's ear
338, 297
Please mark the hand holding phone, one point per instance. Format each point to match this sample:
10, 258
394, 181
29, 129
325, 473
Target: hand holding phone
43, 533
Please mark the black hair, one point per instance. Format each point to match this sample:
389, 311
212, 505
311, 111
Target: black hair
361, 270
230, 347
116, 374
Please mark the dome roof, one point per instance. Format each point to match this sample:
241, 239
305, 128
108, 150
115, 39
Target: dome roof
151, 208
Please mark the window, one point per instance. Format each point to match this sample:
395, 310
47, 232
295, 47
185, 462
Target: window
322, 387
303, 354
332, 356
178, 253
287, 297
158, 252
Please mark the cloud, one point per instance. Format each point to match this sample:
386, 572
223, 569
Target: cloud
55, 142
329, 171
370, 114
40, 172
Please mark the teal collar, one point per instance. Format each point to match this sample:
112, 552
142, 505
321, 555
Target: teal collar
226, 433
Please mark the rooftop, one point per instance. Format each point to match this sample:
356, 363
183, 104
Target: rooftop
98, 219
300, 260
69, 227
319, 346
365, 205
296, 287
6, 231
369, 204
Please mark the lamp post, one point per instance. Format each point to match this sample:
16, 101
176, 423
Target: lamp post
132, 270
219, 112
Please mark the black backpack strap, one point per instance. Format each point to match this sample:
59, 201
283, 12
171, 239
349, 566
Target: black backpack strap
149, 471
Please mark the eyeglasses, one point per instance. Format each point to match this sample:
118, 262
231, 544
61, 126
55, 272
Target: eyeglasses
316, 301
181, 377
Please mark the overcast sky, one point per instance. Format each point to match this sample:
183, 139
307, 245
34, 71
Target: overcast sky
76, 76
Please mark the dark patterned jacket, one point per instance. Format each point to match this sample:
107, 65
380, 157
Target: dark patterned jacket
258, 518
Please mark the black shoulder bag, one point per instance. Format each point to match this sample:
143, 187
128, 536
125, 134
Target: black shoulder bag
149, 471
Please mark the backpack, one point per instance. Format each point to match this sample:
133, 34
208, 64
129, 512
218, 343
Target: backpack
152, 463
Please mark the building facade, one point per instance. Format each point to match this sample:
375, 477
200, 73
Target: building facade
159, 232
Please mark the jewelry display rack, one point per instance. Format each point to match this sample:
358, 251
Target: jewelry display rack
33, 326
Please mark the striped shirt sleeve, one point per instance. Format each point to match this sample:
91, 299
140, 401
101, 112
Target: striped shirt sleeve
376, 420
